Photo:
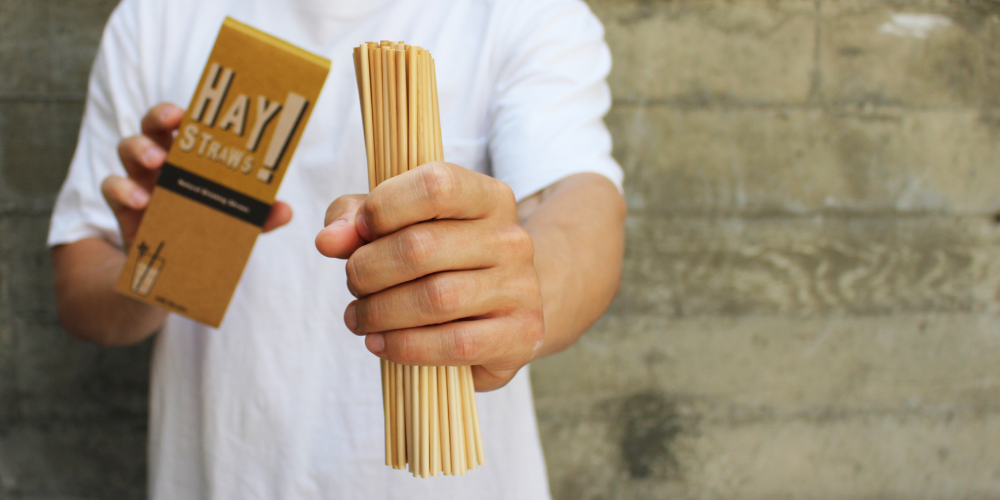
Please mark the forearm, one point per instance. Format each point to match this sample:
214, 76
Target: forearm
577, 227
89, 307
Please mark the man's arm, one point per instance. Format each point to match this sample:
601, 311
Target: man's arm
86, 272
577, 227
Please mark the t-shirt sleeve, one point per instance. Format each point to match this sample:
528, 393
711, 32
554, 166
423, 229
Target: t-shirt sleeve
113, 111
551, 96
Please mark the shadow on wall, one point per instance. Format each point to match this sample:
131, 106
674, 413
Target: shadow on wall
648, 425
647, 428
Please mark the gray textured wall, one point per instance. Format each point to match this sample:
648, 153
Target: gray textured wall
72, 416
810, 306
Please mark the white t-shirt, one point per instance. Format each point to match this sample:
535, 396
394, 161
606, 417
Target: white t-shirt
282, 401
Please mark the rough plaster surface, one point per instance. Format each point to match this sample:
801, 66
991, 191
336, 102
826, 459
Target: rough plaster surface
811, 282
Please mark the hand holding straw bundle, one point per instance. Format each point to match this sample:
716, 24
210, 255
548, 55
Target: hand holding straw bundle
431, 421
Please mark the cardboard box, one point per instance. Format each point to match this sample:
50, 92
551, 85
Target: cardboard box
223, 170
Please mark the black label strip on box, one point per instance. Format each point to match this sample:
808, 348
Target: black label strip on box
213, 195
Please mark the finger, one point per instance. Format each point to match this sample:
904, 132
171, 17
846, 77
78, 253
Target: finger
142, 159
485, 379
160, 122
339, 238
343, 208
281, 214
433, 300
123, 193
128, 201
431, 247
435, 190
493, 343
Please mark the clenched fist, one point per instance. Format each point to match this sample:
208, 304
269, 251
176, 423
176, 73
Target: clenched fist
442, 270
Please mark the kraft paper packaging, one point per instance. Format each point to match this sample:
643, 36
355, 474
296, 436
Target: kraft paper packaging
222, 172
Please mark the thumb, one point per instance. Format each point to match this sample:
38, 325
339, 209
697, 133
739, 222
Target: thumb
340, 238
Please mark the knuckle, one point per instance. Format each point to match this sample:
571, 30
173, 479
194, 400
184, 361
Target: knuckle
370, 314
531, 328
140, 143
504, 194
441, 294
131, 151
516, 240
439, 183
504, 191
534, 327
154, 118
353, 274
416, 246
462, 344
115, 188
375, 209
108, 191
127, 147
403, 348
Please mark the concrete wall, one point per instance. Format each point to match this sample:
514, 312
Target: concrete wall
72, 416
811, 284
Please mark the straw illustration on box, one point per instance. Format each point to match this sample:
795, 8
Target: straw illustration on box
147, 268
431, 420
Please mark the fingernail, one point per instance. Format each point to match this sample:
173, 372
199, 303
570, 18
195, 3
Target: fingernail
351, 317
375, 342
152, 157
139, 198
338, 222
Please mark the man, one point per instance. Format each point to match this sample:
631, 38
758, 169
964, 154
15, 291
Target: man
445, 265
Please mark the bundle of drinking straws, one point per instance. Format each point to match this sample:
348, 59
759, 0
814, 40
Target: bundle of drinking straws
431, 421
